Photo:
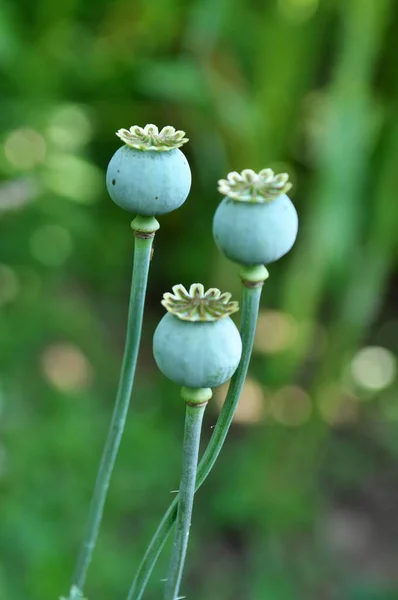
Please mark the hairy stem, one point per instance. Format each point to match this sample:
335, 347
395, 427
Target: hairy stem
252, 287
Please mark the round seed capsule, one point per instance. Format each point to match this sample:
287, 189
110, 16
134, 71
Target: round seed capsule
256, 223
196, 344
149, 175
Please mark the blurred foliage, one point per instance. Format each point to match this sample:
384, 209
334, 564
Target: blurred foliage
302, 503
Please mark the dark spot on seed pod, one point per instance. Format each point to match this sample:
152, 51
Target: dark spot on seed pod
113, 181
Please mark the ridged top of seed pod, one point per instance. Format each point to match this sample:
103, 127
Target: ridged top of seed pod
150, 138
198, 305
249, 186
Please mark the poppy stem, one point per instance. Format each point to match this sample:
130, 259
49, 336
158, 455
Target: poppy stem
144, 229
196, 403
252, 281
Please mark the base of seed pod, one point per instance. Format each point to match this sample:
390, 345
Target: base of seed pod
144, 225
196, 396
255, 233
197, 355
147, 182
253, 276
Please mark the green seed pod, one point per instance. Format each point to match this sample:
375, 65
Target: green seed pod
149, 175
196, 344
256, 223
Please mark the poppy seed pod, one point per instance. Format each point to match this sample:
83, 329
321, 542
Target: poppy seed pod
256, 223
196, 344
149, 175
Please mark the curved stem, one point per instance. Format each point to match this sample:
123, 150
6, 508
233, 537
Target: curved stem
142, 257
193, 425
249, 312
250, 305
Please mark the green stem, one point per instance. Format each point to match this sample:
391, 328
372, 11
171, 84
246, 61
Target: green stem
144, 231
193, 425
249, 312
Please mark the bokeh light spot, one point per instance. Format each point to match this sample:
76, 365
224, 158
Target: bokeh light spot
69, 127
337, 406
374, 368
51, 245
252, 406
298, 11
74, 178
291, 406
25, 148
17, 193
276, 331
9, 285
66, 367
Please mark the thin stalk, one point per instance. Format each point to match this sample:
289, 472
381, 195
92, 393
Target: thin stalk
144, 231
193, 426
251, 295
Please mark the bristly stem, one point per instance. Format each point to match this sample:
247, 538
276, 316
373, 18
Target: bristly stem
144, 231
252, 279
193, 425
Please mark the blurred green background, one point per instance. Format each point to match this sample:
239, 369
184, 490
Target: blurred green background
303, 501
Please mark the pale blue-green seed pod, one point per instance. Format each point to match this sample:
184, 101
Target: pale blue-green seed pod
149, 175
196, 344
256, 223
